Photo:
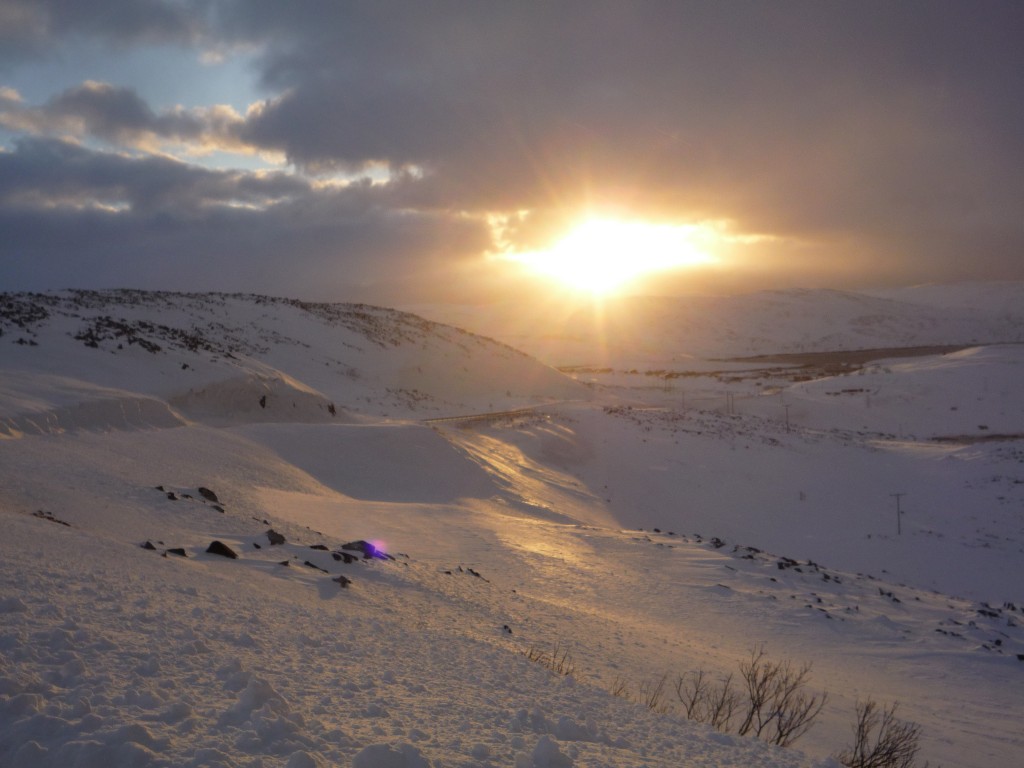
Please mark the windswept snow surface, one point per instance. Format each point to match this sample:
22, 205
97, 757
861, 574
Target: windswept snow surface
647, 530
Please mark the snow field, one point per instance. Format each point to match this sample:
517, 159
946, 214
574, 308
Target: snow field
510, 534
208, 661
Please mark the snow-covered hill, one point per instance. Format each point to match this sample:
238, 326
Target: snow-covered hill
635, 331
647, 530
234, 358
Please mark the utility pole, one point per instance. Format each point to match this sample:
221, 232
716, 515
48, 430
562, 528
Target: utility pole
899, 513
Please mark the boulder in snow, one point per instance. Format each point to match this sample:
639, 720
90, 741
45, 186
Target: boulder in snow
207, 494
274, 537
548, 755
386, 756
368, 549
220, 548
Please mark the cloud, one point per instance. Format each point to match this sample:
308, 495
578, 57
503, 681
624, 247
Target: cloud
121, 117
796, 120
50, 174
881, 140
79, 217
31, 28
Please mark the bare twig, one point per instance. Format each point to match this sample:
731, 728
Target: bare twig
881, 740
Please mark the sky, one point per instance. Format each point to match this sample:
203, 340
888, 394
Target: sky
402, 152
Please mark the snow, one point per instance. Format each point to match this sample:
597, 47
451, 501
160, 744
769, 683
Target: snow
41, 404
640, 331
965, 393
506, 534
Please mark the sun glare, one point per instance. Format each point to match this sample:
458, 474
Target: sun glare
600, 256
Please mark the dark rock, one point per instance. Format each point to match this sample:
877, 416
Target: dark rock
49, 518
365, 547
344, 581
317, 567
207, 494
344, 556
275, 538
179, 551
220, 548
256, 545
283, 562
320, 547
263, 401
160, 488
218, 507
148, 545
171, 496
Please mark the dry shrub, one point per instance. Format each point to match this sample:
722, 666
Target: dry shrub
770, 700
881, 740
559, 660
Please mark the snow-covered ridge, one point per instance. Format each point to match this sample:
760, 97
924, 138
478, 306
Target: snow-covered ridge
41, 404
641, 330
239, 357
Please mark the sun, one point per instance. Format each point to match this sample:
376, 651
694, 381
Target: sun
601, 256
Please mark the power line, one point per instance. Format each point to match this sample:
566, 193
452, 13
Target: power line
899, 513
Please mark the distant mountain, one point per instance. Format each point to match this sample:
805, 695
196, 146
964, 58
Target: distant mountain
644, 330
217, 358
993, 299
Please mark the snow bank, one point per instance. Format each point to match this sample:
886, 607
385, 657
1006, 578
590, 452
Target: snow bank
38, 404
254, 398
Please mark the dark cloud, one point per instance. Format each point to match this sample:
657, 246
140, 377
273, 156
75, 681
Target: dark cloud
120, 116
823, 117
77, 217
48, 173
31, 28
886, 136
